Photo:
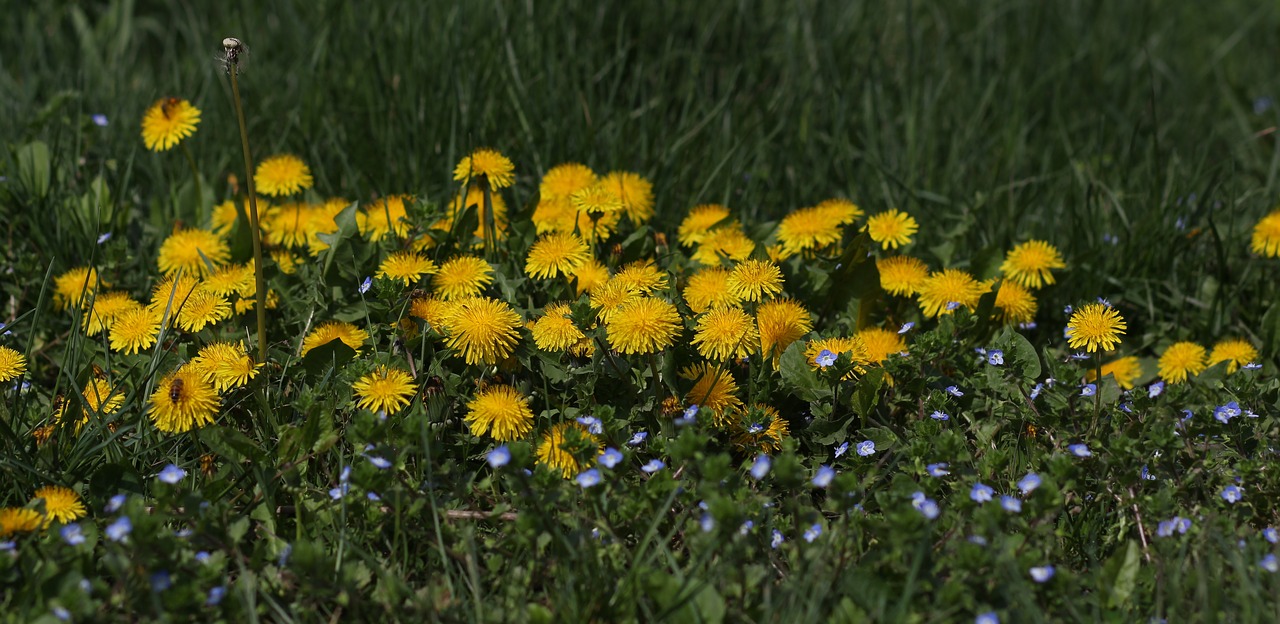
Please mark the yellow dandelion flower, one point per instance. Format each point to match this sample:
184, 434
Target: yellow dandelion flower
589, 275
168, 122
1266, 236
224, 215
563, 180
643, 325
384, 216
891, 228
12, 364
700, 221
60, 504
555, 254
14, 520
1094, 326
951, 286
596, 199
727, 242
642, 277
329, 331
462, 276
406, 267
1125, 371
134, 330
99, 398
230, 280
282, 174
201, 309
324, 221
881, 343
433, 310
187, 250
483, 330
809, 229
725, 333
759, 428
183, 401
555, 331
1181, 360
288, 225
714, 391
709, 288
170, 294
490, 163
781, 322
106, 307
1236, 352
286, 261
1029, 263
566, 447
501, 412
226, 365
839, 210
384, 390
609, 297
635, 192
755, 280
474, 200
1015, 303
74, 286
902, 275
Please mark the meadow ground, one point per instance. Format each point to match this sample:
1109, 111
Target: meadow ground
698, 312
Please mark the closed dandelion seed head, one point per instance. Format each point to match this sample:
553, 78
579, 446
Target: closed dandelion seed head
406, 267
384, 390
134, 330
643, 325
556, 254
891, 228
714, 391
60, 504
105, 309
1181, 360
167, 122
14, 520
709, 288
724, 242
635, 193
482, 330
1266, 236
461, 277
1015, 303
1236, 352
609, 297
725, 333
202, 309
564, 448
563, 180
1030, 263
501, 412
881, 343
950, 286
755, 280
699, 222
12, 364
226, 365
555, 331
282, 174
902, 275
183, 401
75, 286
589, 276
1095, 326
780, 322
487, 162
329, 331
642, 277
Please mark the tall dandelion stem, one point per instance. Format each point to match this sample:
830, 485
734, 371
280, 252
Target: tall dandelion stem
232, 47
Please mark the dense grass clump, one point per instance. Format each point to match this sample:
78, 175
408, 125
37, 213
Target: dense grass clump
774, 311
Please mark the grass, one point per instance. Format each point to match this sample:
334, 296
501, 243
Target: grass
1137, 137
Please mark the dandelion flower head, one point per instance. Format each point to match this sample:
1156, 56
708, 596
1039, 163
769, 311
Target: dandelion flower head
12, 364
891, 228
167, 122
755, 280
501, 412
902, 275
462, 276
329, 331
1181, 360
282, 174
384, 390
725, 333
643, 325
1236, 352
182, 401
1030, 263
487, 162
943, 288
1094, 326
483, 330
1266, 236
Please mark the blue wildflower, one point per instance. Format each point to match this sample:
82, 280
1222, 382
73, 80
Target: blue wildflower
215, 596
592, 424
61, 613
115, 502
760, 467
842, 449
866, 447
776, 539
1011, 504
160, 581
1042, 574
1029, 483
171, 474
1269, 563
952, 305
1165, 528
906, 327
981, 493
380, 463
120, 529
653, 466
746, 527
104, 237
1035, 392
939, 415
954, 391
938, 469
1271, 535
1088, 390
995, 357
202, 556
1181, 525
365, 285
283, 558
1232, 494
1155, 389
499, 457
824, 476
588, 478
1080, 450
707, 523
825, 358
610, 457
989, 617
72, 534
812, 533
1224, 413
637, 438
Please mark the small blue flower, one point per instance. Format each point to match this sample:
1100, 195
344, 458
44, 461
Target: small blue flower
1232, 494
120, 529
380, 463
61, 613
1035, 392
1252, 366
1145, 474
345, 476
746, 527
906, 327
1186, 415
637, 438
776, 539
1029, 483
7, 546
1224, 413
610, 457
989, 617
592, 424
1165, 528
106, 236
691, 411
1078, 356
1181, 525
1155, 389
588, 478
866, 447
1042, 574
939, 415
171, 474
114, 503
1088, 390
365, 285
653, 466
755, 428
202, 556
1271, 535
340, 491
160, 581
952, 305
812, 533
928, 508
1269, 563
707, 523
824, 476
842, 449
1029, 325
760, 467
1011, 504
981, 493
72, 534
283, 558
954, 391
99, 120
938, 469
995, 357
215, 596
1080, 450
825, 358
499, 457
977, 540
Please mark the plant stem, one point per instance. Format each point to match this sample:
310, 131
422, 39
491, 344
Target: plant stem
255, 234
